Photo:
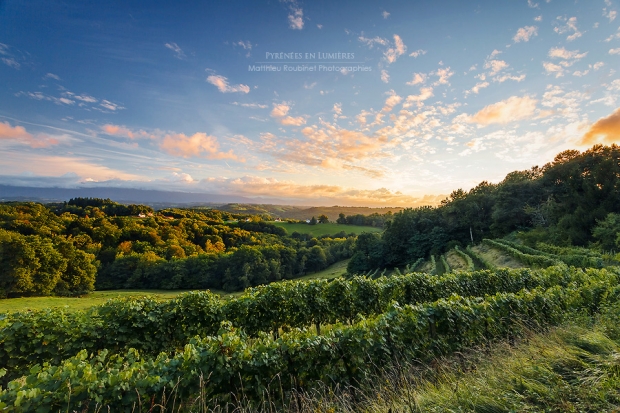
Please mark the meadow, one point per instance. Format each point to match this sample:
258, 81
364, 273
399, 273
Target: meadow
100, 297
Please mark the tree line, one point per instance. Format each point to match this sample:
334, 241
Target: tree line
573, 200
75, 246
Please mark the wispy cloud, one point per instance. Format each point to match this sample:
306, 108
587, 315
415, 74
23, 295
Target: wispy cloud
385, 76
178, 52
417, 53
393, 53
222, 85
385, 14
51, 76
570, 26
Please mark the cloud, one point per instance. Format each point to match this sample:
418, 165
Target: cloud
110, 106
293, 121
51, 76
496, 66
444, 74
391, 101
18, 134
611, 14
532, 5
178, 52
524, 34
502, 79
296, 19
562, 53
9, 61
122, 131
425, 93
538, 18
222, 85
392, 53
370, 42
385, 76
614, 51
385, 14
418, 78
280, 110
250, 105
571, 26
199, 145
570, 57
506, 111
417, 53
605, 130
476, 89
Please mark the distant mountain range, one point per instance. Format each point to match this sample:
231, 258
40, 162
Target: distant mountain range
122, 195
167, 199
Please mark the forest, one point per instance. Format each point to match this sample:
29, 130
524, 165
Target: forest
73, 247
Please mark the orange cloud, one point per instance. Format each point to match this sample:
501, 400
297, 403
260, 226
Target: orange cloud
198, 145
606, 130
221, 83
506, 111
116, 130
20, 135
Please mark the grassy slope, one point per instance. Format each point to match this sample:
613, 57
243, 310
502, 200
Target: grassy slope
497, 258
324, 229
569, 369
302, 212
456, 262
100, 297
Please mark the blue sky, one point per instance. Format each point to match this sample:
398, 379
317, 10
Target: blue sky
417, 99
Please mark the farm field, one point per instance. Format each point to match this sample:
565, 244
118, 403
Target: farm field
325, 229
99, 297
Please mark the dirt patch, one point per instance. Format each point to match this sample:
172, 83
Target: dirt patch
455, 261
496, 257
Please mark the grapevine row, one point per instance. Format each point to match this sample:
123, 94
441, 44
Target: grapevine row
467, 258
231, 363
153, 326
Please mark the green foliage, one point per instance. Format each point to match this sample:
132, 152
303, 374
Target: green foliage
34, 337
577, 260
561, 202
485, 263
342, 356
433, 270
35, 265
540, 261
607, 232
446, 266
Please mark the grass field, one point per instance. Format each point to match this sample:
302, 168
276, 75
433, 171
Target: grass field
325, 229
99, 297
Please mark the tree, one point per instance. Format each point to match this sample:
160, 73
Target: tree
323, 219
313, 221
342, 219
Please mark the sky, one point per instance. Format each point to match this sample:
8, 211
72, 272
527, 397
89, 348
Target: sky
391, 103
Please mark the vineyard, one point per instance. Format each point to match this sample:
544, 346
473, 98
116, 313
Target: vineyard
276, 338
